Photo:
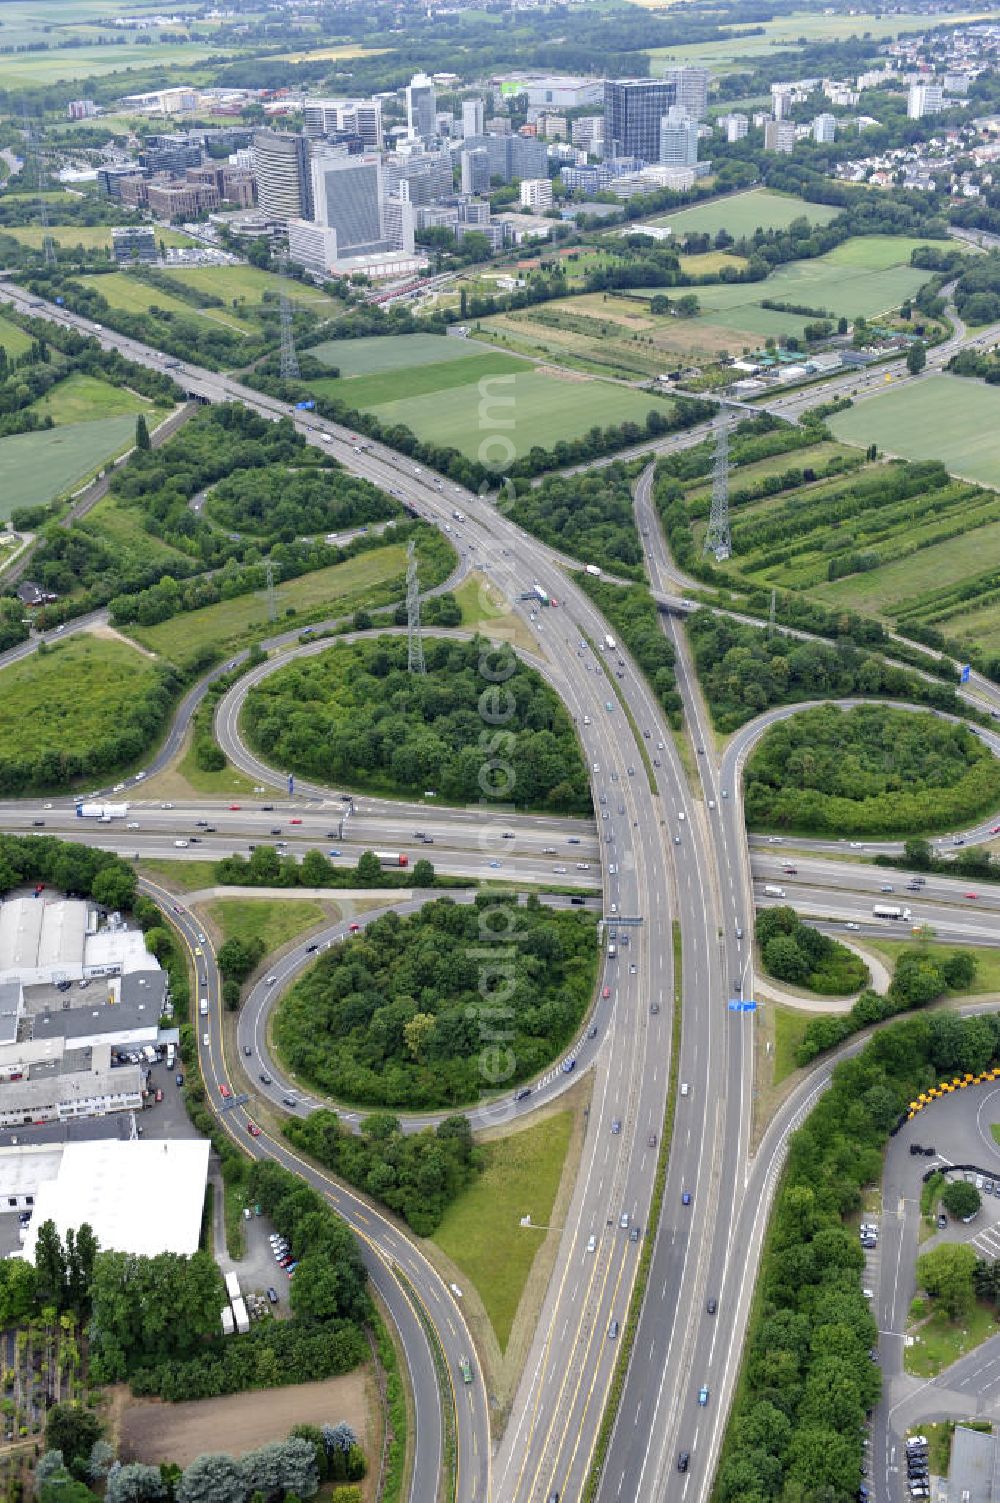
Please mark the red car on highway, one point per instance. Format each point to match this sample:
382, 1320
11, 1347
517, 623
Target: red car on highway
295, 821
225, 1091
234, 806
606, 992
253, 1129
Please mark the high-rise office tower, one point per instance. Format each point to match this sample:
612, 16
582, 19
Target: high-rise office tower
281, 168
476, 171
633, 109
825, 128
472, 117
421, 107
678, 139
347, 192
691, 85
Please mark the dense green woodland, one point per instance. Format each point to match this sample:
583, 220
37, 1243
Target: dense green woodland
395, 1017
633, 613
797, 952
744, 670
871, 770
589, 516
75, 869
807, 1380
478, 725
417, 1175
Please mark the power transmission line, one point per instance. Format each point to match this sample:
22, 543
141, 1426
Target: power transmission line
718, 538
289, 359
414, 641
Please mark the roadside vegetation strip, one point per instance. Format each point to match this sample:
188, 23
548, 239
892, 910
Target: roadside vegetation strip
396, 1414
617, 1386
626, 707
448, 1486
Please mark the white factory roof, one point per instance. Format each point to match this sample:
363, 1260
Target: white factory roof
38, 937
143, 1197
118, 947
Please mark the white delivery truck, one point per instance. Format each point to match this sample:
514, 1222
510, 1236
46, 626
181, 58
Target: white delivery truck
203, 1007
771, 891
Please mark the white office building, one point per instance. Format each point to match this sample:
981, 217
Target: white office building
824, 128
924, 99
678, 139
472, 117
735, 125
691, 85
536, 193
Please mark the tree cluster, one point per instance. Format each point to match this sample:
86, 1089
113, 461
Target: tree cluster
267, 868
918, 979
397, 1017
797, 952
870, 770
743, 670
590, 516
417, 1175
355, 713
76, 869
808, 1382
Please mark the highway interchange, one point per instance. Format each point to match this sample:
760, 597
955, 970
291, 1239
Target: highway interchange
673, 856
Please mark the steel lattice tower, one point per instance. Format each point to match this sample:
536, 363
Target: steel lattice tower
33, 162
289, 359
269, 589
414, 641
718, 539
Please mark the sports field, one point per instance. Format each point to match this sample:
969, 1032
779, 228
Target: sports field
742, 213
84, 399
943, 417
34, 467
519, 410
367, 357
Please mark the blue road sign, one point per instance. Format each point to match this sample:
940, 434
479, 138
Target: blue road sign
965, 673
738, 1004
291, 785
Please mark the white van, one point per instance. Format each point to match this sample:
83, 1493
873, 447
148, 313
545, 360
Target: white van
203, 1007
774, 892
181, 845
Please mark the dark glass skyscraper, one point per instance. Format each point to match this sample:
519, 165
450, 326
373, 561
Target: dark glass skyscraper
633, 109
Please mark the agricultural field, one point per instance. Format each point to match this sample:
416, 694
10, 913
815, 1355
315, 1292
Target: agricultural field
742, 213
338, 591
785, 32
34, 69
90, 236
943, 417
75, 696
400, 352
135, 296
248, 285
401, 380
903, 542
34, 467
83, 399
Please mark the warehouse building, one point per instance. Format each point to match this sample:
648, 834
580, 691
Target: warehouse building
139, 1197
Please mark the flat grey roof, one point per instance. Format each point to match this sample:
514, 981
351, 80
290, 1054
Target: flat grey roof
970, 1475
80, 1022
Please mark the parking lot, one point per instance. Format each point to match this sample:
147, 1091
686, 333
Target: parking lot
258, 1269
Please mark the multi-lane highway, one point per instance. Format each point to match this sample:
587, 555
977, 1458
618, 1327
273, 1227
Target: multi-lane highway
669, 855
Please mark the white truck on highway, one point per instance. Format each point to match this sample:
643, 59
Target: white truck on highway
104, 812
610, 642
890, 911
771, 891
203, 1007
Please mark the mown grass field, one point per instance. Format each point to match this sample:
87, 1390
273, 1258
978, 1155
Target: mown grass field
13, 339
338, 590
122, 525
370, 357
34, 467
742, 213
986, 979
530, 407
83, 399
73, 695
248, 284
481, 1230
419, 380
135, 296
943, 417
34, 69
275, 923
90, 236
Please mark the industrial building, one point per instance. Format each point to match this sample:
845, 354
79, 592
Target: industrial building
44, 943
139, 1197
